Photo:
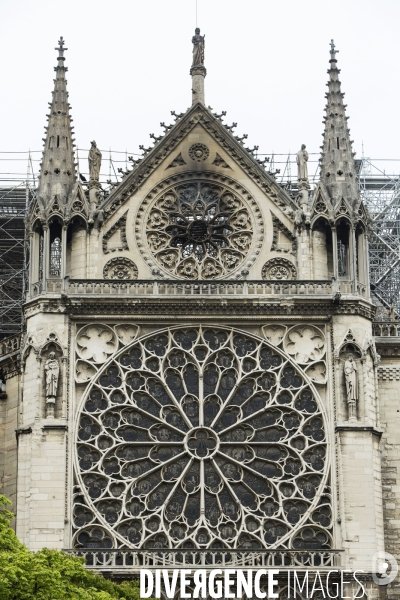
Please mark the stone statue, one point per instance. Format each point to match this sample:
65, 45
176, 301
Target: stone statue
52, 373
350, 374
198, 48
94, 162
302, 158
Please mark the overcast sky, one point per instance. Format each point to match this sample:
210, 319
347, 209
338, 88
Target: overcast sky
128, 67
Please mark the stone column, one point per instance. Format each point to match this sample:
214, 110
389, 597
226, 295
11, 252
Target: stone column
63, 254
32, 259
335, 255
198, 74
353, 258
46, 256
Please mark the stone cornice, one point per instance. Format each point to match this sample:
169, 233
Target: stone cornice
180, 308
359, 428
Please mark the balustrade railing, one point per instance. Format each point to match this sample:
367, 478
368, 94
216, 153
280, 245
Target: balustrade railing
10, 344
386, 328
143, 287
197, 288
134, 560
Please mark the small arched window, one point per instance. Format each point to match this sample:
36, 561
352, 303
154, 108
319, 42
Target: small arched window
55, 257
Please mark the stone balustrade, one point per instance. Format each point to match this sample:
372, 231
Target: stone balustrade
101, 287
10, 345
386, 328
173, 287
135, 560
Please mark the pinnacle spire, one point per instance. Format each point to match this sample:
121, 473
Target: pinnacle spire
198, 70
57, 175
338, 172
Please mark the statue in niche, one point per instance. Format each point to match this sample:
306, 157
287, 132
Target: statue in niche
301, 159
350, 374
52, 373
94, 162
198, 48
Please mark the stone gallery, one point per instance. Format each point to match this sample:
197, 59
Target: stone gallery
200, 383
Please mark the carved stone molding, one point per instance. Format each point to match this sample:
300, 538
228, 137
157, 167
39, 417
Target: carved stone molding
389, 373
199, 152
279, 268
120, 267
121, 226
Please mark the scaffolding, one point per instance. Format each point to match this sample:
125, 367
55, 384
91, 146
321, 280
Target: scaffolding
379, 183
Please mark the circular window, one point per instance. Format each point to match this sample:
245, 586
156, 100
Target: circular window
197, 438
199, 230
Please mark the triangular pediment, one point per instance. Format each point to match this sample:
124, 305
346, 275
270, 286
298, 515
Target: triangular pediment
321, 204
226, 154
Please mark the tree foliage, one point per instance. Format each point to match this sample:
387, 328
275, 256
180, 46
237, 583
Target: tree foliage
50, 574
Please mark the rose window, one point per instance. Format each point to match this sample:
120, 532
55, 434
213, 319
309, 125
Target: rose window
199, 230
201, 438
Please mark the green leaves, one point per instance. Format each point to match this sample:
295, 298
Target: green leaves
50, 574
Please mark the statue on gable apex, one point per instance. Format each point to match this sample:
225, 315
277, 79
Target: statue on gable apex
198, 42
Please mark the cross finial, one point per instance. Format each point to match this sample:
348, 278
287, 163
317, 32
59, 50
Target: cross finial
60, 46
333, 50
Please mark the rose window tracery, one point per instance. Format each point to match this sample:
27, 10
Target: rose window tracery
199, 230
201, 437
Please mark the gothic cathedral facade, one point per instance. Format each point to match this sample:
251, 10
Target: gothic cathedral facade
199, 370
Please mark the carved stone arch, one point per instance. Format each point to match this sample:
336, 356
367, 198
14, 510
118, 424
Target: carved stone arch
342, 208
278, 268
348, 343
322, 217
30, 343
52, 341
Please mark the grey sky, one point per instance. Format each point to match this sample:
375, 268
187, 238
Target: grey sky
129, 67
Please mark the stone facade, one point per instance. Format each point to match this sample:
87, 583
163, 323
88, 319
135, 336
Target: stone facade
218, 380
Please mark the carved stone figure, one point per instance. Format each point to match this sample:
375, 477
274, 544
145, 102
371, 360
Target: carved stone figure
52, 373
302, 158
94, 162
350, 374
198, 48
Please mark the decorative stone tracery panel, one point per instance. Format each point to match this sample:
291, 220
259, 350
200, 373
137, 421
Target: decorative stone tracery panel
120, 267
201, 437
199, 229
279, 268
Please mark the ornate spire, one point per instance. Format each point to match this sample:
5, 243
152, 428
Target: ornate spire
57, 174
198, 70
338, 171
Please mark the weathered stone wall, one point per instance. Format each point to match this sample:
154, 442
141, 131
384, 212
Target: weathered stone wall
389, 403
8, 440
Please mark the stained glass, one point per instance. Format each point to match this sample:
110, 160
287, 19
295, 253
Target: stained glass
202, 437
